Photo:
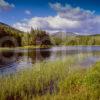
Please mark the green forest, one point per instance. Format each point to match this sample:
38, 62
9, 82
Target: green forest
35, 37
77, 40
38, 37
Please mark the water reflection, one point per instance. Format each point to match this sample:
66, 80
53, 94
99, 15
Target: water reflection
37, 55
8, 57
14, 60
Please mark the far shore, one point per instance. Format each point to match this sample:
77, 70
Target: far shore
35, 47
25, 47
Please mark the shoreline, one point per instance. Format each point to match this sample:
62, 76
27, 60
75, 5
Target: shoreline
39, 47
25, 47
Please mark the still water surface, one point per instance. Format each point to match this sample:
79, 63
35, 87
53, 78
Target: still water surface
12, 61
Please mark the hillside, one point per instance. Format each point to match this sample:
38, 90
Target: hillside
9, 30
8, 34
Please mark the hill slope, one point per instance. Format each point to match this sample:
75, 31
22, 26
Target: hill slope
8, 31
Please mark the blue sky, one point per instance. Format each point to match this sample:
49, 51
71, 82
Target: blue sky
26, 13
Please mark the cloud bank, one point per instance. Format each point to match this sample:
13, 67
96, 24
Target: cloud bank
47, 23
68, 19
5, 5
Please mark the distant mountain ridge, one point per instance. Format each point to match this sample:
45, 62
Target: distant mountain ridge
67, 34
63, 34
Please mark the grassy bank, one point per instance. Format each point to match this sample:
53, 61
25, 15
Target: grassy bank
35, 47
58, 80
24, 47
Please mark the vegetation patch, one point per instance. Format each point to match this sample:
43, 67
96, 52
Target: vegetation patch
58, 80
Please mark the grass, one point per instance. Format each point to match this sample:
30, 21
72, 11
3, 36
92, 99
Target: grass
24, 47
58, 80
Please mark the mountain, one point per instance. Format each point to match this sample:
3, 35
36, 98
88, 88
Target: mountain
64, 34
68, 34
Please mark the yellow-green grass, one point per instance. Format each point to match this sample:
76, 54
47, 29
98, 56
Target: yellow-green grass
59, 80
24, 47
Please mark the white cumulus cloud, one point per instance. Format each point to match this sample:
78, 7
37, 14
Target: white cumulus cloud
70, 12
47, 23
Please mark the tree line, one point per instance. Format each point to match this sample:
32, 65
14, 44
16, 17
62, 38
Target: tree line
34, 37
42, 38
77, 40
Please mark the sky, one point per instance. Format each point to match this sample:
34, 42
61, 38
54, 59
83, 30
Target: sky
79, 16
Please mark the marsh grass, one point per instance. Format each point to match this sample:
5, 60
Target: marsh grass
25, 47
58, 80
